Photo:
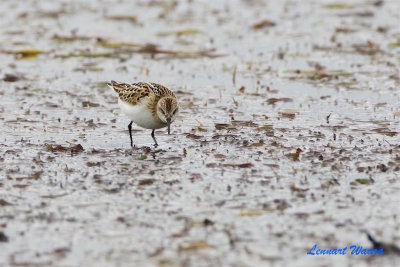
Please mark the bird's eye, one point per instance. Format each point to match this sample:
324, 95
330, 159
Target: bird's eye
175, 111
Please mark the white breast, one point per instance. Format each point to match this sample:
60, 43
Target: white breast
140, 115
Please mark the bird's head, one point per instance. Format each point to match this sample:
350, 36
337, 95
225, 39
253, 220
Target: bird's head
167, 109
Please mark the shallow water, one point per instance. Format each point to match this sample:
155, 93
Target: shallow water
227, 187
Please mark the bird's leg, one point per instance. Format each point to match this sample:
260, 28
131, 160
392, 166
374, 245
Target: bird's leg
155, 141
130, 132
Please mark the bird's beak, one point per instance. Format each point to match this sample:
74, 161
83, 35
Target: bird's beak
169, 125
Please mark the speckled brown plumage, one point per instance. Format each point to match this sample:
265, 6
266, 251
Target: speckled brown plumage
136, 92
148, 105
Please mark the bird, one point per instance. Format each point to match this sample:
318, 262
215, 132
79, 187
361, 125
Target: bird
147, 104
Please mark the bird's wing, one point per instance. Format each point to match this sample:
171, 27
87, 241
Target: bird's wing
160, 90
132, 93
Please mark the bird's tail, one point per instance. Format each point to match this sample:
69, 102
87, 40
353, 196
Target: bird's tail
117, 87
